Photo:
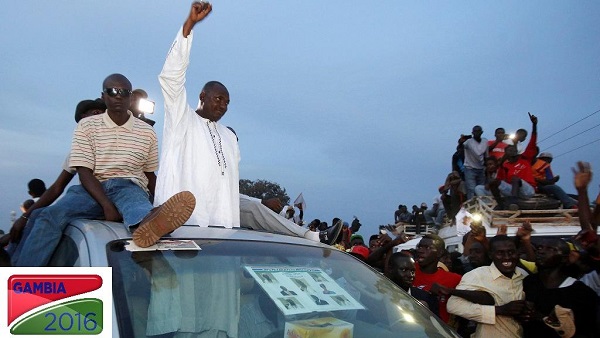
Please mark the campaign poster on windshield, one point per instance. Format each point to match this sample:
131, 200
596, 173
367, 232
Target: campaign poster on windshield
298, 290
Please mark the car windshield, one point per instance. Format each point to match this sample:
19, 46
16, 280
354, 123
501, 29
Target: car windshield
233, 288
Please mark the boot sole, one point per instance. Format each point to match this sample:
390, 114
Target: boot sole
170, 215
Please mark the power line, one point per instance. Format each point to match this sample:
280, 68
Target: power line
569, 126
572, 150
572, 137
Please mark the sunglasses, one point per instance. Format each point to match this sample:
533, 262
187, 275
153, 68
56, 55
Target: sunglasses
112, 92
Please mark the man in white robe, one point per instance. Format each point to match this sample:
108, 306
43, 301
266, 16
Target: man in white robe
198, 152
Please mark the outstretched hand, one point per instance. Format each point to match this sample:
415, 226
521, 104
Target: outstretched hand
582, 175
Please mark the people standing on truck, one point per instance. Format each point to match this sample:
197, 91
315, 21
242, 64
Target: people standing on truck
496, 147
475, 150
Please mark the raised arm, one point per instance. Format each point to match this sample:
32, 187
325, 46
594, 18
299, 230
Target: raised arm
473, 296
198, 12
582, 178
172, 77
531, 150
524, 236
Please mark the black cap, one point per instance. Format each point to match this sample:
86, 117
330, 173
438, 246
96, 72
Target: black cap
86, 105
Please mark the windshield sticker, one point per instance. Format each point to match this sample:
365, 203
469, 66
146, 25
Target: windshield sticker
298, 290
165, 244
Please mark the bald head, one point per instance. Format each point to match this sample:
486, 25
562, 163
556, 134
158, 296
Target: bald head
116, 78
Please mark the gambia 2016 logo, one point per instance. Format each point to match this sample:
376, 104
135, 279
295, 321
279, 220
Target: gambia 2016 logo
81, 316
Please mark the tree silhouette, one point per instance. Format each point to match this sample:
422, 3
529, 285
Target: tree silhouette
263, 189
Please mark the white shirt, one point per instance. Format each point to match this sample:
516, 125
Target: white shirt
189, 159
475, 152
502, 288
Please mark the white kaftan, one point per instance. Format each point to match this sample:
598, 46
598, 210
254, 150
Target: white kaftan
189, 159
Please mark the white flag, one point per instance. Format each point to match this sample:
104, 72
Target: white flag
300, 200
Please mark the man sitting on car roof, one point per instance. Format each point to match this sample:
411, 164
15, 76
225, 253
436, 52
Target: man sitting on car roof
115, 155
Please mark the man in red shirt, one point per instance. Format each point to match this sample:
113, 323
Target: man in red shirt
429, 250
496, 147
516, 177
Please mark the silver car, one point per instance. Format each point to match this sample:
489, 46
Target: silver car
215, 282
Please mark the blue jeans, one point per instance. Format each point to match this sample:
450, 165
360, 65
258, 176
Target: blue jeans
435, 218
480, 190
525, 190
558, 193
129, 199
473, 178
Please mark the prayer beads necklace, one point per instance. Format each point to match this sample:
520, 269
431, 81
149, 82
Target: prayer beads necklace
219, 153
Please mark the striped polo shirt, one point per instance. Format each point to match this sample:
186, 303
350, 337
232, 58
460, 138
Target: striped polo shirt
113, 151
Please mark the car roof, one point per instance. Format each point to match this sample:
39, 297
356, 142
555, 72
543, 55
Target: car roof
104, 231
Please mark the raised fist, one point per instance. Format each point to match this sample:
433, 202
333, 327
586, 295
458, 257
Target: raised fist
199, 11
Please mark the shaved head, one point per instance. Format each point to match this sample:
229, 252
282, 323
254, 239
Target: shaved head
116, 78
210, 85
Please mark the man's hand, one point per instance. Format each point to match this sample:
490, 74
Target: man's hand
273, 204
524, 231
478, 232
587, 238
383, 239
111, 213
440, 290
533, 118
513, 309
401, 238
198, 12
501, 230
17, 229
556, 178
582, 175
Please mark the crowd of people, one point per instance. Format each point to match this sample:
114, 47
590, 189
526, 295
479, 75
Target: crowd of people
499, 286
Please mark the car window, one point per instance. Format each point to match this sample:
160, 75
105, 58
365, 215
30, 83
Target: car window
66, 253
232, 288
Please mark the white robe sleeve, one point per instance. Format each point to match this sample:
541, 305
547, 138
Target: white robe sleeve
172, 80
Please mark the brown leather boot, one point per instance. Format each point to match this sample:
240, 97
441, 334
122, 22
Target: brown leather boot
164, 219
